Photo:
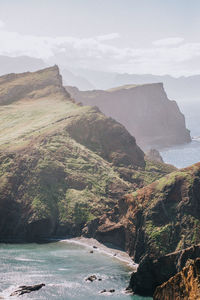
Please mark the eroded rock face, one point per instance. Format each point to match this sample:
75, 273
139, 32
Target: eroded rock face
158, 219
152, 273
185, 285
144, 110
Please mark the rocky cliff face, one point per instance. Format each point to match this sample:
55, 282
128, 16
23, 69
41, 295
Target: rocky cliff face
184, 285
154, 272
158, 219
144, 110
62, 166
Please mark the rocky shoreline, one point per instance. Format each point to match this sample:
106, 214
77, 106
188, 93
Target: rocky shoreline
94, 246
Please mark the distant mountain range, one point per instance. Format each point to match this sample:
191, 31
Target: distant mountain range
182, 88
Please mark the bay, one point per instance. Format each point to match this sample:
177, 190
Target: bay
63, 267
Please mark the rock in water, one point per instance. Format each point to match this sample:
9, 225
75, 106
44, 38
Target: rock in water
26, 289
184, 285
154, 155
107, 291
91, 278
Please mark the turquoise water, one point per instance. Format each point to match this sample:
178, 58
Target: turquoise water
182, 156
63, 267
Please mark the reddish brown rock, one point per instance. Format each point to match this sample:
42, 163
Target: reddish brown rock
152, 273
185, 285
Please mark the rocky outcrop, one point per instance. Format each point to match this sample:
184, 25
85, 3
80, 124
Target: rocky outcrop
184, 285
27, 289
154, 155
144, 110
152, 273
14, 87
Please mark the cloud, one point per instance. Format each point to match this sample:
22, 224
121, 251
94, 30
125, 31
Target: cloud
168, 42
2, 24
107, 37
167, 56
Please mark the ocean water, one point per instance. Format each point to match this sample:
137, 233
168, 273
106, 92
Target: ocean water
187, 154
63, 267
182, 156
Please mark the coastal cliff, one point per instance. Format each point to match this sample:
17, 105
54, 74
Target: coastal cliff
62, 165
144, 110
67, 169
160, 218
153, 273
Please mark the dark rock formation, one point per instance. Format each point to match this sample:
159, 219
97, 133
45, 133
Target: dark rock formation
152, 272
185, 285
144, 110
107, 291
91, 278
26, 289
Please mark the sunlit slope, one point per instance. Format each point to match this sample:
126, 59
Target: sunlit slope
61, 165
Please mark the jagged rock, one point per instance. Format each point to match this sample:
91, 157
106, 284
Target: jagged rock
185, 285
144, 110
153, 272
26, 289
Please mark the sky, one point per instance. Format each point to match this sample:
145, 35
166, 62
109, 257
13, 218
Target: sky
125, 36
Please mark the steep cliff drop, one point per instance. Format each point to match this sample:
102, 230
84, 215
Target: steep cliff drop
144, 110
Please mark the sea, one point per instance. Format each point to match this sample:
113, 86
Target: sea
187, 154
63, 267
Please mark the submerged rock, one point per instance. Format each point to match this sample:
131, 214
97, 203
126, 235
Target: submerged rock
26, 289
107, 291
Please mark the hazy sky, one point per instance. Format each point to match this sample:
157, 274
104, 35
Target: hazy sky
143, 36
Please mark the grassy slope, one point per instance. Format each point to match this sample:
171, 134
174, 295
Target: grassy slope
45, 174
167, 213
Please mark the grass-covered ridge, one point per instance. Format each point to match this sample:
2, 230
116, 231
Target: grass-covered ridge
61, 165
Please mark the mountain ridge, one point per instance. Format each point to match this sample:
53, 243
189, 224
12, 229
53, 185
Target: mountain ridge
145, 111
